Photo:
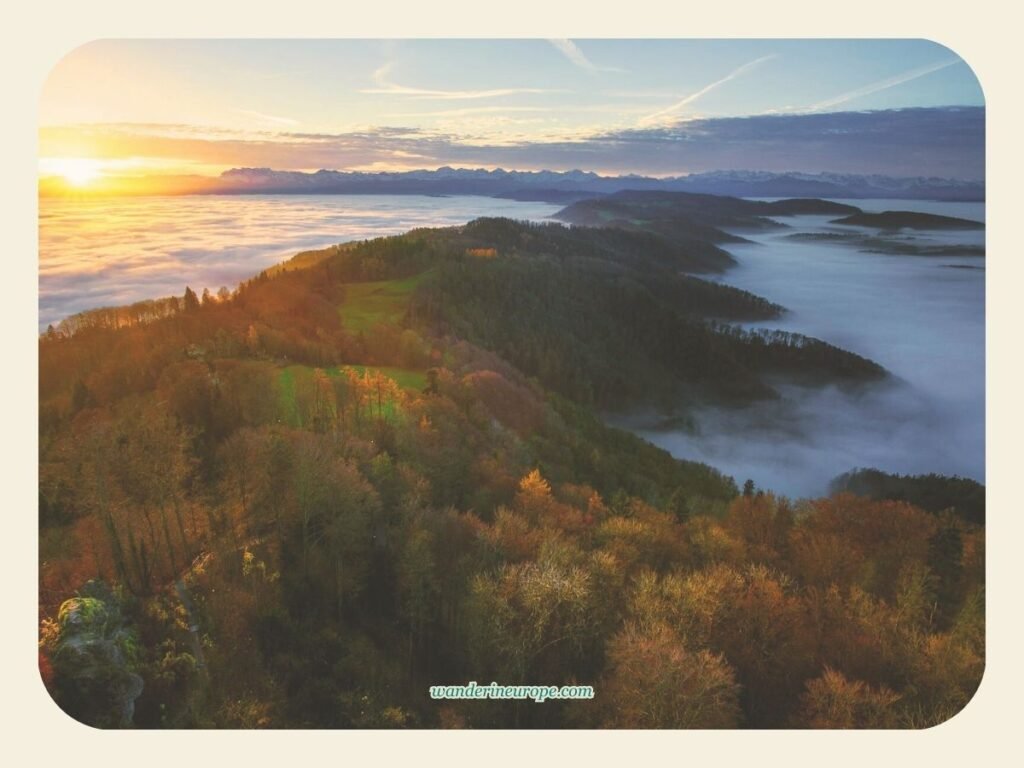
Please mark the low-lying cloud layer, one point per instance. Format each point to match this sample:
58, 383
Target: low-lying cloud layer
153, 247
922, 320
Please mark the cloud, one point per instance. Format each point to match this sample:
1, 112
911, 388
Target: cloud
385, 86
881, 85
463, 111
669, 114
271, 119
946, 142
141, 252
572, 52
942, 141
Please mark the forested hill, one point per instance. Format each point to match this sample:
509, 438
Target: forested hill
606, 317
686, 217
891, 220
378, 468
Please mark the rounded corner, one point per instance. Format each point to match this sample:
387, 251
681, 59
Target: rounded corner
945, 723
970, 68
49, 697
64, 57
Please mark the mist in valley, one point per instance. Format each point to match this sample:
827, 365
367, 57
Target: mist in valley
920, 317
923, 318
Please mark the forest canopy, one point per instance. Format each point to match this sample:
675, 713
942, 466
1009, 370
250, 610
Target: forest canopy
381, 466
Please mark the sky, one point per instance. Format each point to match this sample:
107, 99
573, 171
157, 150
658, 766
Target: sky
153, 108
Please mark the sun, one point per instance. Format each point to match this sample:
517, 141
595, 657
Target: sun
76, 171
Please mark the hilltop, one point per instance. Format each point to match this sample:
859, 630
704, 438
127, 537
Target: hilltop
888, 220
381, 465
689, 216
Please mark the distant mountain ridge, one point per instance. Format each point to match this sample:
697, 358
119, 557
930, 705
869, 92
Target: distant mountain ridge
567, 186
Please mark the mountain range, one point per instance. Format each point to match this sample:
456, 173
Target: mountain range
567, 186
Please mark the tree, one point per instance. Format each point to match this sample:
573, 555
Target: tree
534, 499
752, 616
945, 559
245, 458
528, 620
81, 397
417, 584
832, 701
131, 470
191, 300
763, 524
655, 681
335, 507
153, 467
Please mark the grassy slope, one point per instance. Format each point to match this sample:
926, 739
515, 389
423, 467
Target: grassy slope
370, 304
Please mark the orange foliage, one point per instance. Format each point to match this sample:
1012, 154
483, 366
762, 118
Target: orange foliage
850, 540
832, 701
657, 682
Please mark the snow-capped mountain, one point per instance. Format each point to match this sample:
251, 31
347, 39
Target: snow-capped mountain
575, 184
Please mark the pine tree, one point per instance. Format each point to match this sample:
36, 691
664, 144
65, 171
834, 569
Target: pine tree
191, 300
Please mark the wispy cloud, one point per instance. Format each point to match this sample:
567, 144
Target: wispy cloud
572, 52
881, 85
669, 114
464, 111
385, 86
636, 93
265, 118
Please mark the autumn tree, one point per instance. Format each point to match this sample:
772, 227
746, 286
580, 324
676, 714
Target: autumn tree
655, 681
245, 458
530, 620
833, 701
753, 617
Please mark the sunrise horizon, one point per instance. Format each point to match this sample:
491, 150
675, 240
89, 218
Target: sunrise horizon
660, 109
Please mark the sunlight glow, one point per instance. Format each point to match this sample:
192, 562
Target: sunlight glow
76, 171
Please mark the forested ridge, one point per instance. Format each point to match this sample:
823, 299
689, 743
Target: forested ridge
693, 213
378, 468
933, 493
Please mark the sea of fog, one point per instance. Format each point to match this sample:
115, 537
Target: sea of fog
96, 252
923, 318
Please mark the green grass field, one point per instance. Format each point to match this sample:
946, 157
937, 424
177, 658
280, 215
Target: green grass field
370, 304
286, 381
292, 375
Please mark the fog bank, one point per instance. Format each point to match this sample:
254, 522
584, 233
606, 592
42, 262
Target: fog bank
921, 319
96, 252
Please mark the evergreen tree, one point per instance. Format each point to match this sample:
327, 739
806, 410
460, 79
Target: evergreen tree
191, 300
